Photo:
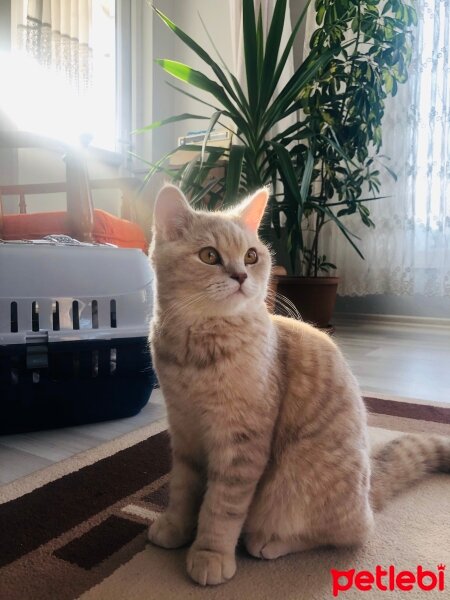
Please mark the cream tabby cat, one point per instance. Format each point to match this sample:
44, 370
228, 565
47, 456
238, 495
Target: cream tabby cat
268, 428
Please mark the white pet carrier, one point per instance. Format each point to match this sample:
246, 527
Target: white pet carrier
73, 334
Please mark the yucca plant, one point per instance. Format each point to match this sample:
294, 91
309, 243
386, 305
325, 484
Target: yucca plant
359, 52
254, 158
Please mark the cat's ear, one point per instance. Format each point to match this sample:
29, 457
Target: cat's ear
172, 212
251, 211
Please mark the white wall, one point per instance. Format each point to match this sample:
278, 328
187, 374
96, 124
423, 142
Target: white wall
162, 101
167, 102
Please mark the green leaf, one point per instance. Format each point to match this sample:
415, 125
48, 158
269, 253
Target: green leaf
392, 173
194, 77
272, 50
386, 7
304, 75
307, 174
197, 79
243, 100
342, 212
388, 81
286, 52
185, 93
163, 122
338, 147
260, 44
344, 230
215, 117
233, 177
203, 55
189, 174
155, 167
320, 15
288, 174
205, 190
250, 50
184, 37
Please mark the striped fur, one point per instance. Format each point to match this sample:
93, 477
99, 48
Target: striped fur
268, 427
404, 461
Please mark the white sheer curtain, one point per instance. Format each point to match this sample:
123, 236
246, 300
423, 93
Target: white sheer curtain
60, 78
57, 33
409, 250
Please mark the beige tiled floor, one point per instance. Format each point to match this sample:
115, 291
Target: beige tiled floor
400, 360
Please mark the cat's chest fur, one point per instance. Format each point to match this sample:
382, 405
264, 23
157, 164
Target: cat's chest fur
217, 370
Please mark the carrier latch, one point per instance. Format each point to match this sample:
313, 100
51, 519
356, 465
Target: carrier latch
37, 350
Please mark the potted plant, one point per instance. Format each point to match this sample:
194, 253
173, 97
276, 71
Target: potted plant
327, 160
338, 141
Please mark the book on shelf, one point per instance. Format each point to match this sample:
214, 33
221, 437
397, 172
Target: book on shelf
219, 138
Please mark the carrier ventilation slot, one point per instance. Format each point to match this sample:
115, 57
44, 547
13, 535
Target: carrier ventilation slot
94, 314
55, 315
14, 376
95, 363
112, 360
75, 315
35, 316
113, 313
14, 318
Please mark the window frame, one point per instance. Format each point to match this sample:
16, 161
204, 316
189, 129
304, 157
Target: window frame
134, 59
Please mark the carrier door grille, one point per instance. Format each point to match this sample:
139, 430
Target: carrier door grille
52, 315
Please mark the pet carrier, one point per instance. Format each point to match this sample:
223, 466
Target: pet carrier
73, 334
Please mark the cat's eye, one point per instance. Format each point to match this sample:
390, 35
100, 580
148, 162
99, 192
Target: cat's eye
251, 257
209, 255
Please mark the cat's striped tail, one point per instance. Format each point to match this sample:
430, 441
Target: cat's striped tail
402, 462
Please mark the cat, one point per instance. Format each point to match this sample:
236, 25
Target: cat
268, 428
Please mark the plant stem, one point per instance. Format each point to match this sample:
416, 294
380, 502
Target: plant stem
320, 220
313, 258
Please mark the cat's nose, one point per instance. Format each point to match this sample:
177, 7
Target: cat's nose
241, 277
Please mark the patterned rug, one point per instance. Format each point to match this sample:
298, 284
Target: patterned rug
78, 529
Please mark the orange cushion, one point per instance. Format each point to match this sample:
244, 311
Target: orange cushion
108, 229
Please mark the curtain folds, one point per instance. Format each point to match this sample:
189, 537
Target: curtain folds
57, 34
408, 252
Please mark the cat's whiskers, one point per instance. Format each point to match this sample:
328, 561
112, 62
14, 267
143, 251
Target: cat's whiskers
286, 310
182, 305
219, 287
289, 303
284, 304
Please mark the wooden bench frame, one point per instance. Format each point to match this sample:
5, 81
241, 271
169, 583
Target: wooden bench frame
78, 187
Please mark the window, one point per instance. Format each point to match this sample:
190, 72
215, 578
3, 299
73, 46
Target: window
60, 77
430, 114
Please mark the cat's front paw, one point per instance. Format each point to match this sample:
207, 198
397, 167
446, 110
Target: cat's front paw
167, 533
207, 567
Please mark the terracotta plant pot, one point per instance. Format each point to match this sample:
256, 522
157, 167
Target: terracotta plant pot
314, 297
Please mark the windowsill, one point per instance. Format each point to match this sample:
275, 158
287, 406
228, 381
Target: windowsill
108, 157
